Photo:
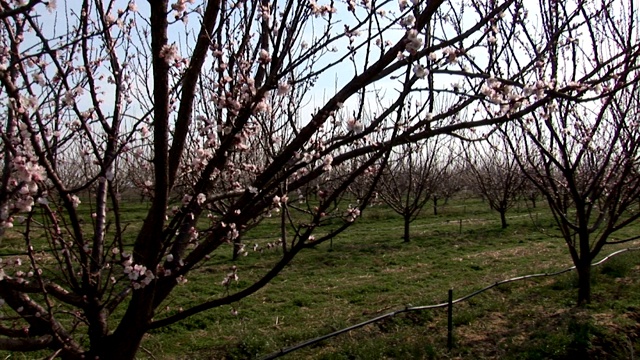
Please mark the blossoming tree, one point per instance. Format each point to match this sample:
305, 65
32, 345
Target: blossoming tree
582, 151
218, 101
585, 162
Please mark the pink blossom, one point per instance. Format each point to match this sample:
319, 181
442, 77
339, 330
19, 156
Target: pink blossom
264, 56
327, 163
144, 131
283, 88
51, 5
261, 107
355, 126
179, 6
169, 53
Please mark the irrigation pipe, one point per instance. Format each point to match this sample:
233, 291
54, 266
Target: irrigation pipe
301, 345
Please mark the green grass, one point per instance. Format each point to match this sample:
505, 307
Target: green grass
368, 271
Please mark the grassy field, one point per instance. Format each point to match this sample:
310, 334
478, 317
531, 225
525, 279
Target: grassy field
369, 271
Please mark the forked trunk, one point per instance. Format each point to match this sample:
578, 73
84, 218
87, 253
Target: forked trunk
125, 341
120, 347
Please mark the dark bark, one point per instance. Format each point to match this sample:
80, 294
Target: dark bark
122, 346
583, 265
503, 218
407, 227
435, 205
584, 282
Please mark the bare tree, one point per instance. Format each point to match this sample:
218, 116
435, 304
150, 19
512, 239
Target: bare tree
452, 182
411, 179
219, 101
530, 192
495, 175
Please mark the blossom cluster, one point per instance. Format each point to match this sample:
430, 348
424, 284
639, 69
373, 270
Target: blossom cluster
267, 246
231, 276
200, 159
355, 126
180, 7
414, 41
507, 96
170, 53
138, 274
404, 4
232, 232
208, 130
321, 10
279, 200
451, 54
25, 176
352, 214
19, 274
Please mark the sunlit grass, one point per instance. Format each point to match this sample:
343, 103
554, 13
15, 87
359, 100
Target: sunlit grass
369, 270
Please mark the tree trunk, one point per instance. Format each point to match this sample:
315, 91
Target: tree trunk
125, 341
503, 219
123, 350
407, 225
435, 206
118, 346
584, 282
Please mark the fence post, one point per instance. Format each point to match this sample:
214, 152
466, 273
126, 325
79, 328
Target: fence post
450, 321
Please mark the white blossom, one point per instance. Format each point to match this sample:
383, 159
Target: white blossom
414, 42
264, 56
51, 6
75, 201
420, 71
283, 88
